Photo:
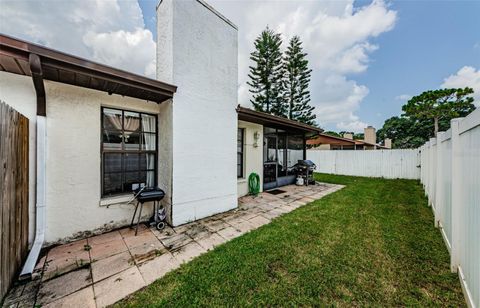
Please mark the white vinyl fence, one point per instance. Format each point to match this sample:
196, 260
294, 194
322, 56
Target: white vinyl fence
390, 164
451, 177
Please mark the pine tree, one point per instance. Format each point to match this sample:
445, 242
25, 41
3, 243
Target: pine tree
297, 77
267, 73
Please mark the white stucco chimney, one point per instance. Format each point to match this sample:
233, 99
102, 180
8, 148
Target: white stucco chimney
348, 136
197, 51
388, 143
370, 135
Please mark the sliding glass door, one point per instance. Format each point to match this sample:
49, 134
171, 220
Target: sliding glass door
281, 151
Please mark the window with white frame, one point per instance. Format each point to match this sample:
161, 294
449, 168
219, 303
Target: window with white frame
129, 151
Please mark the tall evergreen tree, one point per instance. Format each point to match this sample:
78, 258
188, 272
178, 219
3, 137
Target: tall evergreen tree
296, 80
266, 74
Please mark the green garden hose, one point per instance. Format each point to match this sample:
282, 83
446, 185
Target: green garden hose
253, 184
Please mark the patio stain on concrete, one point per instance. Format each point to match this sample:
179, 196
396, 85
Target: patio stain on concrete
119, 263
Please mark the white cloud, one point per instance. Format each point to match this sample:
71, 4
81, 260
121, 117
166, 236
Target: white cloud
467, 76
108, 31
403, 97
336, 36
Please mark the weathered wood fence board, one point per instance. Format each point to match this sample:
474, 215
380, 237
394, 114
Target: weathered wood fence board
14, 194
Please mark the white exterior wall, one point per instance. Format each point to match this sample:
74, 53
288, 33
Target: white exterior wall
74, 203
197, 51
390, 164
252, 155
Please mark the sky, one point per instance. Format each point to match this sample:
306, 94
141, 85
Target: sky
368, 57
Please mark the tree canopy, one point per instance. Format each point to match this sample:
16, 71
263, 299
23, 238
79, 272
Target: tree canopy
279, 83
296, 81
425, 115
266, 75
439, 104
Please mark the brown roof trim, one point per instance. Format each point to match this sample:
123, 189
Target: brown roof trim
354, 141
70, 69
249, 115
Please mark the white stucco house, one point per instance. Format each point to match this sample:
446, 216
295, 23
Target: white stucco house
96, 131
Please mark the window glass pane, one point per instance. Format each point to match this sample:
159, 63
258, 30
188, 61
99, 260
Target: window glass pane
149, 142
131, 162
150, 178
112, 119
112, 162
112, 140
147, 161
149, 123
112, 183
132, 178
295, 152
132, 141
281, 154
131, 121
239, 171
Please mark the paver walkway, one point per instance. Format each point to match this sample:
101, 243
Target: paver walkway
100, 270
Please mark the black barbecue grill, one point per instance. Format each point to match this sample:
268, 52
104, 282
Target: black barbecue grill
154, 195
305, 169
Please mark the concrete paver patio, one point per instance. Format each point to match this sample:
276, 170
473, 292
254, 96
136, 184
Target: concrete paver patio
100, 270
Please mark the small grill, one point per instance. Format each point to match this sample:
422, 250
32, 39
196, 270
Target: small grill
305, 170
154, 195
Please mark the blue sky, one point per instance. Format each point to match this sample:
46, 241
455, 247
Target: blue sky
431, 41
367, 57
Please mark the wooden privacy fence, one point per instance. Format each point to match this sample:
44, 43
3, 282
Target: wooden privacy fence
390, 164
451, 177
14, 194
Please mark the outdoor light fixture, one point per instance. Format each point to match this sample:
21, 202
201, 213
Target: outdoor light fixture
256, 135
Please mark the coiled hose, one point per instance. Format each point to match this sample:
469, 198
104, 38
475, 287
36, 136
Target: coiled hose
253, 184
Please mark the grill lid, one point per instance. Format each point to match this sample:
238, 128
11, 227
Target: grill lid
306, 163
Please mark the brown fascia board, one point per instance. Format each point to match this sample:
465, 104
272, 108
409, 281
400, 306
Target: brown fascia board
268, 118
60, 60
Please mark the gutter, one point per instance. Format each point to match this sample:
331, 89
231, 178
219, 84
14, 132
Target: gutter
41, 151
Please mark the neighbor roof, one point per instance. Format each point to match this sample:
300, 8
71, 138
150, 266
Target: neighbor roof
329, 139
65, 68
249, 115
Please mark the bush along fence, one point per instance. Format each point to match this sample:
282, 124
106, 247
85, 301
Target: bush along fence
389, 164
450, 174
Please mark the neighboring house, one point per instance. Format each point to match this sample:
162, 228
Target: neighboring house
329, 142
97, 132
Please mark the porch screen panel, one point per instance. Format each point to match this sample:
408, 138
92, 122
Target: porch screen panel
294, 152
129, 151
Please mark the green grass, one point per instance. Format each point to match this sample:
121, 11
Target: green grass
373, 243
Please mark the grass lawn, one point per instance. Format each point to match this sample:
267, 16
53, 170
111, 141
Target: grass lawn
372, 243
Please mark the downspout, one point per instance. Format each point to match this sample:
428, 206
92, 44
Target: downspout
40, 209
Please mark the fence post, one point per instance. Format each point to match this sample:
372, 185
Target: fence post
457, 242
433, 158
438, 180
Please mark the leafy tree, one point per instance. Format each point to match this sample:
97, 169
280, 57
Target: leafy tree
411, 130
439, 104
359, 136
405, 132
332, 133
296, 80
267, 73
